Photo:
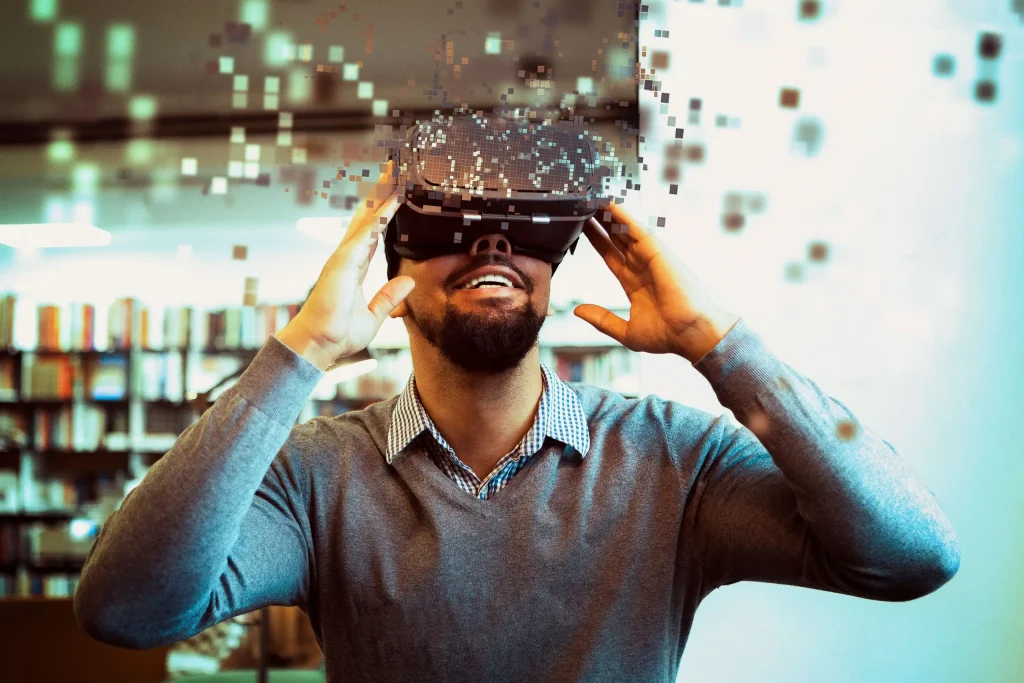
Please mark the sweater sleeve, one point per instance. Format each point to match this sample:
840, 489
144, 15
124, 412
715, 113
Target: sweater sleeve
815, 499
218, 526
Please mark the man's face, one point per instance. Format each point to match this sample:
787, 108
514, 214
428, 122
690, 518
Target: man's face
480, 330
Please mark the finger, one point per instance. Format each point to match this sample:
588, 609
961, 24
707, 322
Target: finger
604, 320
370, 226
364, 265
613, 258
373, 249
390, 295
361, 246
631, 228
616, 226
376, 197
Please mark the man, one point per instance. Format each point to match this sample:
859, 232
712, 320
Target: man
492, 523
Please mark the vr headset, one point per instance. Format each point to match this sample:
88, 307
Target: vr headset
466, 176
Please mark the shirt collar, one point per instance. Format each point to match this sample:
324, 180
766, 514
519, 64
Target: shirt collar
559, 415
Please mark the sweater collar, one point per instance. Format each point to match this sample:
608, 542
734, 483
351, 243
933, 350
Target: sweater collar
559, 415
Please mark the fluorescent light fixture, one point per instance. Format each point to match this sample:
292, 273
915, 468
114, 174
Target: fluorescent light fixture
47, 235
82, 529
323, 229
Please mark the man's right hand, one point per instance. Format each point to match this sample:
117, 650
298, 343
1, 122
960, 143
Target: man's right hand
335, 321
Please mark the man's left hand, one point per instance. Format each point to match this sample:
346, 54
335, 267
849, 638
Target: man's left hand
669, 310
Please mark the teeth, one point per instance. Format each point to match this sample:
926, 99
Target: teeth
488, 278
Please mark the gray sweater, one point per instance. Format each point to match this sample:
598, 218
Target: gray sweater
579, 570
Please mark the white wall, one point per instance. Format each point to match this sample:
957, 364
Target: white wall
914, 322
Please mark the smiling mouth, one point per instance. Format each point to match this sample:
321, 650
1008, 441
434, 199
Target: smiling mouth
496, 283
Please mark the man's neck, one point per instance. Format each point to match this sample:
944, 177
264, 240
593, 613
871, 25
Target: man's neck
482, 416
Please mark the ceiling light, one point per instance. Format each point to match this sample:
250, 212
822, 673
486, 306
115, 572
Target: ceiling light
47, 235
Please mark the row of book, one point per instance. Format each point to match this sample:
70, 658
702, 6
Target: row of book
76, 427
159, 377
246, 327
38, 543
50, 378
127, 326
74, 327
154, 376
50, 585
40, 494
57, 492
616, 369
100, 378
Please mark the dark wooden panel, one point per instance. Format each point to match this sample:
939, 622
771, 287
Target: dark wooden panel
40, 641
93, 461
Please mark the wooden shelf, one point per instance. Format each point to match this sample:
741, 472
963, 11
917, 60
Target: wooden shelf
211, 351
165, 403
123, 352
76, 352
10, 459
121, 403
356, 399
84, 461
30, 517
50, 566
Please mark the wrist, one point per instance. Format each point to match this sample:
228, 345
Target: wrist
706, 334
297, 338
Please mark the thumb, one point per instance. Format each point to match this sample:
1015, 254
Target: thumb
390, 295
603, 319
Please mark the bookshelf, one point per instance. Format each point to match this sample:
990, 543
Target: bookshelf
80, 426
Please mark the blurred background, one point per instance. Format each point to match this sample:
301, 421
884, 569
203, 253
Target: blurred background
845, 176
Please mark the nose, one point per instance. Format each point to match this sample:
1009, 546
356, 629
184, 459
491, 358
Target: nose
494, 242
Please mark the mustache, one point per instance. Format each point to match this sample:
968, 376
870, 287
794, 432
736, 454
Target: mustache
492, 260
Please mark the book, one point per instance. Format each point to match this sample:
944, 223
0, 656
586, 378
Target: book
109, 377
82, 327
127, 324
178, 327
7, 304
48, 319
8, 381
49, 378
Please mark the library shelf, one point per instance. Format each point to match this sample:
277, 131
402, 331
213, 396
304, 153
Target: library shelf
236, 351
10, 459
166, 403
241, 350
118, 403
57, 565
46, 516
84, 461
76, 352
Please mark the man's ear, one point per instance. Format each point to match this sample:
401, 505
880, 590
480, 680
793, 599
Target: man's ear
401, 310
550, 312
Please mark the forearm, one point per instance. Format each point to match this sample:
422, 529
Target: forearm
160, 555
874, 522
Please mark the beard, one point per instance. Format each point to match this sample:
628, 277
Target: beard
487, 341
